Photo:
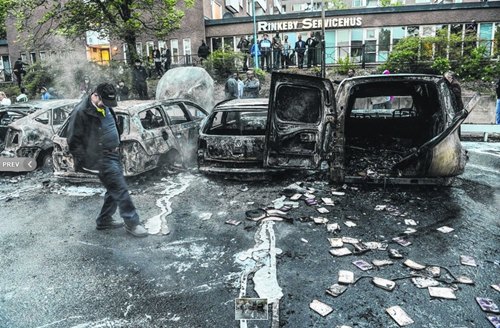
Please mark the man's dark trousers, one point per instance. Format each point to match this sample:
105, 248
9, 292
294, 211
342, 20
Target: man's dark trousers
142, 90
117, 195
311, 57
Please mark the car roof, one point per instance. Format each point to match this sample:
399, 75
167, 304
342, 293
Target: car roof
40, 104
243, 104
381, 77
132, 107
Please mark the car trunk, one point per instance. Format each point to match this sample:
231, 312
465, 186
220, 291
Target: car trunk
388, 122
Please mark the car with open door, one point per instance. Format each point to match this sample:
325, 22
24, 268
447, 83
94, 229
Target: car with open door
152, 133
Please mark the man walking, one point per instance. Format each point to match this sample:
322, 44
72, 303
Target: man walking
94, 142
139, 76
300, 49
19, 71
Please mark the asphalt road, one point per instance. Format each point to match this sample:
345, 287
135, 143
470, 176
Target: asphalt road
56, 270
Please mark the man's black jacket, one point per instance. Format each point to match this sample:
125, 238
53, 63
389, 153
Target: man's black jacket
139, 75
84, 135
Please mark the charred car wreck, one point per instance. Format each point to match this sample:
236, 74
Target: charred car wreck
382, 129
31, 134
153, 132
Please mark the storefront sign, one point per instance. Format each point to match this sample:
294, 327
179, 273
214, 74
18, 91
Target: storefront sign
308, 24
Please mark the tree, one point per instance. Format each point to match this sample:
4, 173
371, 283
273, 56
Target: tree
4, 7
122, 20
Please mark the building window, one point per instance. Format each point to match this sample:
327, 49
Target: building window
33, 57
370, 45
413, 31
371, 3
186, 44
486, 36
384, 44
42, 55
357, 3
138, 46
229, 42
174, 48
343, 44
125, 51
216, 43
216, 10
149, 49
398, 33
422, 1
356, 44
24, 57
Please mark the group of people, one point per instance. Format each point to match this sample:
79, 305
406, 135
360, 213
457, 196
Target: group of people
235, 87
276, 54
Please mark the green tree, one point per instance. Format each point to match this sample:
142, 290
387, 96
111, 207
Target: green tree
5, 5
335, 4
121, 20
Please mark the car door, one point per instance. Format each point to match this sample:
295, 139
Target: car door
156, 134
197, 115
300, 121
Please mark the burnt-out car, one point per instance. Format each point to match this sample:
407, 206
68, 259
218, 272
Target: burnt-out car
153, 132
31, 135
232, 137
380, 128
11, 113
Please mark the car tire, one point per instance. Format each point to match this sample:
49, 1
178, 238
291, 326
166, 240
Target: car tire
45, 162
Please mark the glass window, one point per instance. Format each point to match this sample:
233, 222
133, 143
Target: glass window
229, 42
413, 30
138, 46
174, 48
176, 114
186, 47
60, 114
298, 104
43, 55
371, 3
152, 118
384, 43
33, 57
357, 3
149, 49
342, 43
216, 10
161, 45
216, 43
486, 36
195, 112
238, 123
329, 46
43, 117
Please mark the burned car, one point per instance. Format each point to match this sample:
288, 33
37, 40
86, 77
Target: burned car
153, 132
380, 128
31, 135
232, 137
11, 113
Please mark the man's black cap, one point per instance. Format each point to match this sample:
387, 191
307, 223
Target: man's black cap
107, 93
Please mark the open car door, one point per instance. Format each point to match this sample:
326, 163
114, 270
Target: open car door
299, 122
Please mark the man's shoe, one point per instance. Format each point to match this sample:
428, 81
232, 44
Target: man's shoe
109, 224
138, 230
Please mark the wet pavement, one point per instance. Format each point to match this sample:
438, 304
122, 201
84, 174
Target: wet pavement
56, 270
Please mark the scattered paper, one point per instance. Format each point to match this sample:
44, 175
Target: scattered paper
424, 282
321, 308
442, 292
409, 231
303, 240
350, 224
399, 315
322, 210
327, 201
496, 287
395, 254
410, 222
495, 320
205, 216
359, 248
373, 245
309, 195
362, 265
332, 227
487, 305
384, 283
401, 241
233, 222
381, 263
320, 220
434, 271
338, 193
467, 260
380, 207
336, 290
311, 202
414, 265
349, 240
445, 229
346, 277
296, 197
336, 242
340, 251
465, 280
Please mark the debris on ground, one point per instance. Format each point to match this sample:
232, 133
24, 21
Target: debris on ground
340, 251
384, 283
336, 290
413, 265
467, 260
346, 277
445, 229
321, 308
399, 315
487, 305
442, 292
362, 265
233, 222
424, 282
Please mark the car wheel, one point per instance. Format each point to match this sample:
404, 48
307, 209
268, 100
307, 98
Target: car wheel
45, 162
174, 159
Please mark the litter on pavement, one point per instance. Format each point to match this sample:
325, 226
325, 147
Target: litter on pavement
399, 315
321, 308
442, 292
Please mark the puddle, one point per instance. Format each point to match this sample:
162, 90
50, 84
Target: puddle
80, 191
157, 225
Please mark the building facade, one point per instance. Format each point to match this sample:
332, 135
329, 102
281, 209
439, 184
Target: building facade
364, 31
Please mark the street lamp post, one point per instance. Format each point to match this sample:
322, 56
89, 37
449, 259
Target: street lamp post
323, 38
256, 49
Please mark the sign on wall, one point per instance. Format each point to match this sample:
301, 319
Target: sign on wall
308, 23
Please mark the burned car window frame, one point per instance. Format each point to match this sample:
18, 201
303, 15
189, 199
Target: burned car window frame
284, 106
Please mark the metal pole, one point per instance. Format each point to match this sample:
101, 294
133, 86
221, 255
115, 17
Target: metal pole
323, 48
256, 50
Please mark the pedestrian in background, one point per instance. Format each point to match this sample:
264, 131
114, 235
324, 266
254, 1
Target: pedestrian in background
286, 53
300, 49
85, 87
4, 100
19, 70
139, 76
23, 97
252, 86
46, 94
277, 48
166, 58
203, 52
254, 52
244, 46
231, 86
122, 91
455, 89
241, 84
265, 51
157, 61
94, 142
311, 50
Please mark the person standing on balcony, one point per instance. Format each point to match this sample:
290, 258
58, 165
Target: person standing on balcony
139, 76
286, 52
157, 61
300, 49
166, 58
19, 71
